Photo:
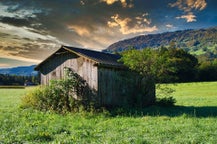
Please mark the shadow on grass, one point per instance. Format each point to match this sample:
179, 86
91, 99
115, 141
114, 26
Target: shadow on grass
173, 111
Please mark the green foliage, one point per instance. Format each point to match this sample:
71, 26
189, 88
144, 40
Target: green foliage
163, 65
148, 63
6, 79
70, 94
184, 64
207, 70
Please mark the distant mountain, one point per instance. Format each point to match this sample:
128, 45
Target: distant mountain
22, 71
198, 42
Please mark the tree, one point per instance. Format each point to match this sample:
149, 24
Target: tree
162, 65
184, 64
207, 70
154, 65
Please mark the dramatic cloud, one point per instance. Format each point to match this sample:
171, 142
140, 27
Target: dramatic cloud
17, 43
80, 30
189, 18
16, 11
128, 26
188, 6
24, 32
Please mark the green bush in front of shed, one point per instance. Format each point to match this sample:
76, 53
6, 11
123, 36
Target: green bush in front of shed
59, 95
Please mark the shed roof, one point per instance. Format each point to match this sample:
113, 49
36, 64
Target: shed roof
101, 58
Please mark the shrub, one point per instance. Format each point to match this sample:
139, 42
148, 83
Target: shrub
70, 94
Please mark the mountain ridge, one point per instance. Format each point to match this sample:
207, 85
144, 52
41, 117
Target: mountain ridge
20, 70
195, 41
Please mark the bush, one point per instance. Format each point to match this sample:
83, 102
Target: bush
70, 94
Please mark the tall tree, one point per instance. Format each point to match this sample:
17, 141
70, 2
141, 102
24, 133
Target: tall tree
162, 65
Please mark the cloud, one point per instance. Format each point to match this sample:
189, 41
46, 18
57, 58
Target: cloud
3, 65
22, 43
123, 3
188, 6
5, 54
189, 17
17, 11
109, 2
169, 26
80, 30
15, 21
25, 32
127, 25
12, 62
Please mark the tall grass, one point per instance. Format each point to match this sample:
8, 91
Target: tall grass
184, 123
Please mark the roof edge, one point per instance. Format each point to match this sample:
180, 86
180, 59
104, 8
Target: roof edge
67, 48
36, 68
79, 54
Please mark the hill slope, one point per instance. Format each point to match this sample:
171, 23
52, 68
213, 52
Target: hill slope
202, 41
24, 71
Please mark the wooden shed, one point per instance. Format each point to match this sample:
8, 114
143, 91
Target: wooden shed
113, 83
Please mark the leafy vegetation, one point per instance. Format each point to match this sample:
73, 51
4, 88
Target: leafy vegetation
167, 65
65, 95
163, 65
6, 79
207, 70
192, 120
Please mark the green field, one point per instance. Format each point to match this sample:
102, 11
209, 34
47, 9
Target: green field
192, 120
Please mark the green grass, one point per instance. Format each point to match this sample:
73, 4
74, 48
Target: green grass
196, 94
193, 120
10, 98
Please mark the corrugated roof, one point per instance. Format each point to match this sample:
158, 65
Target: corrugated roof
101, 58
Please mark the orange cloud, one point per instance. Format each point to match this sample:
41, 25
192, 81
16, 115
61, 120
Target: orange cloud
4, 65
188, 5
7, 54
80, 30
123, 2
189, 17
128, 26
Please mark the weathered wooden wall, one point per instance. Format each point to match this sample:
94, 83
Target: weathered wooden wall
54, 68
113, 86
122, 87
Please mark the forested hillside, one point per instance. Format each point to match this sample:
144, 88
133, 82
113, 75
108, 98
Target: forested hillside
198, 42
19, 76
20, 71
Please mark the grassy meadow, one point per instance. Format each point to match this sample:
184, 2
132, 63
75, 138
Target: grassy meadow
193, 120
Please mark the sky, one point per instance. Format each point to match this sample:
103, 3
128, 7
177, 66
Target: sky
31, 30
